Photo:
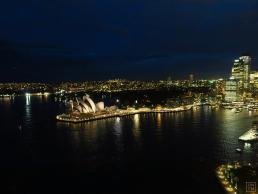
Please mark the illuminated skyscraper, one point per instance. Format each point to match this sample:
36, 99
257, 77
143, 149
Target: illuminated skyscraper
191, 78
240, 71
169, 81
231, 90
254, 80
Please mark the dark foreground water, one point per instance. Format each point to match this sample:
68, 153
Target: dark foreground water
148, 153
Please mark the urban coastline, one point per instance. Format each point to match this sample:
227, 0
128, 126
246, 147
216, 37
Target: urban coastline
96, 100
118, 113
237, 93
237, 177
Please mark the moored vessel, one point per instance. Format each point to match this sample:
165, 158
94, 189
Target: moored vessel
251, 134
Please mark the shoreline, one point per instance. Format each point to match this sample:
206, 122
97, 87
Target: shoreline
222, 179
237, 177
119, 113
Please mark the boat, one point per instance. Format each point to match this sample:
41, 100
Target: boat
238, 150
250, 135
228, 107
255, 122
238, 111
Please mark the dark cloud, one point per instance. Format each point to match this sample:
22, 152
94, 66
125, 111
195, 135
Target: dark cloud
136, 39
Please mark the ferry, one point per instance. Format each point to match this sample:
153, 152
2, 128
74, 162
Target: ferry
251, 134
238, 110
228, 107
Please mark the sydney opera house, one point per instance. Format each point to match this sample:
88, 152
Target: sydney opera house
85, 109
86, 105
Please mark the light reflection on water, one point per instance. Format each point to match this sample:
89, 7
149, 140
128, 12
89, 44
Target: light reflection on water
198, 139
136, 127
204, 137
206, 133
159, 124
27, 96
198, 129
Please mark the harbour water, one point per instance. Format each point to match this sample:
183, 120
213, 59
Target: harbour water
141, 153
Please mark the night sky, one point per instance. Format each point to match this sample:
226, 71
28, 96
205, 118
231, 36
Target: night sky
62, 40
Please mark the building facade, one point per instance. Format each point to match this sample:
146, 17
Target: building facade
240, 71
231, 90
254, 80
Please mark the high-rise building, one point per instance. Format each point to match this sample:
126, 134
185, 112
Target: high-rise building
231, 90
191, 78
169, 81
254, 80
240, 71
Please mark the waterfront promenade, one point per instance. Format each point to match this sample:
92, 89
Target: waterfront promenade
118, 113
237, 178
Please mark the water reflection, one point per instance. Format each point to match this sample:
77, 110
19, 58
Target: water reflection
159, 121
159, 132
27, 118
87, 129
118, 134
136, 127
231, 126
118, 126
247, 146
203, 132
27, 96
95, 134
136, 122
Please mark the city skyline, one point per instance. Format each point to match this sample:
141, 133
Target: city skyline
125, 39
116, 96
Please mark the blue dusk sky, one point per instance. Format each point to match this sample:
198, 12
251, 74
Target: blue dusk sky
62, 40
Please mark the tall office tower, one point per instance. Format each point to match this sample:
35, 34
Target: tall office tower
169, 81
191, 78
231, 90
254, 80
240, 71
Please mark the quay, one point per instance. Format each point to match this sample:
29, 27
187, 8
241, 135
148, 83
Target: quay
117, 113
223, 178
235, 177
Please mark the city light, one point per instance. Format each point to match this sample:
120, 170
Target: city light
119, 97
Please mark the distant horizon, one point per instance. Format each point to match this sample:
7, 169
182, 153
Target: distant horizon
112, 79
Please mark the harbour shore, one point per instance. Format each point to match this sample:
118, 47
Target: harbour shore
118, 113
